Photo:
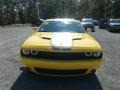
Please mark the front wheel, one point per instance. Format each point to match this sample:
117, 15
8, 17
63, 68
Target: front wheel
110, 30
92, 72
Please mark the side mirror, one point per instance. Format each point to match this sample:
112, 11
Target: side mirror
42, 20
89, 30
35, 29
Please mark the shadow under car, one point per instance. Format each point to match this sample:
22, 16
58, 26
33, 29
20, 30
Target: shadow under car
31, 81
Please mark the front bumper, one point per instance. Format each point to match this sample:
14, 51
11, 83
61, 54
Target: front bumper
112, 28
61, 67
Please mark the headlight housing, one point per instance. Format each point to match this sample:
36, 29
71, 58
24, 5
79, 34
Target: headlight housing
93, 54
34, 52
29, 52
88, 54
25, 52
97, 54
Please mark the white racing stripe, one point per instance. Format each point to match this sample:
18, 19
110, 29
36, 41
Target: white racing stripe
62, 40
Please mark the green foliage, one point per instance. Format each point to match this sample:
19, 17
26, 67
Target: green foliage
24, 11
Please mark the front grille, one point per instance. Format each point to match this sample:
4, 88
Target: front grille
88, 25
62, 56
117, 26
61, 72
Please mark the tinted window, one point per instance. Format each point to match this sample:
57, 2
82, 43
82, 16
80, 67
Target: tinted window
103, 21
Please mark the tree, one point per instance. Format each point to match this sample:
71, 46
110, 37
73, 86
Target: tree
24, 11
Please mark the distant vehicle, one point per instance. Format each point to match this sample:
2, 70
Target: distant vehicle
95, 22
103, 24
61, 47
88, 23
37, 22
114, 25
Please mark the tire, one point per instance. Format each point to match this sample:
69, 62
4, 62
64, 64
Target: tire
100, 27
93, 30
110, 30
93, 71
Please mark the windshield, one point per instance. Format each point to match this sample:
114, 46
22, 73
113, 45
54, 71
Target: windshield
60, 26
103, 21
115, 21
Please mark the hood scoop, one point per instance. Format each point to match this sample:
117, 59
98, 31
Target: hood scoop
77, 37
47, 38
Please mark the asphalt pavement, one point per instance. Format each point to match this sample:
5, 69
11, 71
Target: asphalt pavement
13, 77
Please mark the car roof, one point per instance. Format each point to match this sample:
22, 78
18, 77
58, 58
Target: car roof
62, 19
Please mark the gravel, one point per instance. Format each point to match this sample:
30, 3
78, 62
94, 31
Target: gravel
13, 78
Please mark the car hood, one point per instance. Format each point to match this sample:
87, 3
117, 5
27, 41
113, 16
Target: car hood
77, 42
114, 23
83, 23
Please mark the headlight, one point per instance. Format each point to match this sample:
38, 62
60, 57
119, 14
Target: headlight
29, 52
34, 52
26, 52
93, 54
88, 54
97, 54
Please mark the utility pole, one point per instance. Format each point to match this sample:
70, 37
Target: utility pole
107, 11
64, 7
38, 9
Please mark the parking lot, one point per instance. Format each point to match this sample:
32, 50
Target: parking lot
13, 78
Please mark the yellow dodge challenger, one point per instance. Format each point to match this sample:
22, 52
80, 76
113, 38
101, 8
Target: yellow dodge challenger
61, 47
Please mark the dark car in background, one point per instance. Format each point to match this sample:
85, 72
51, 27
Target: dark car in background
103, 24
37, 22
96, 22
114, 25
88, 23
